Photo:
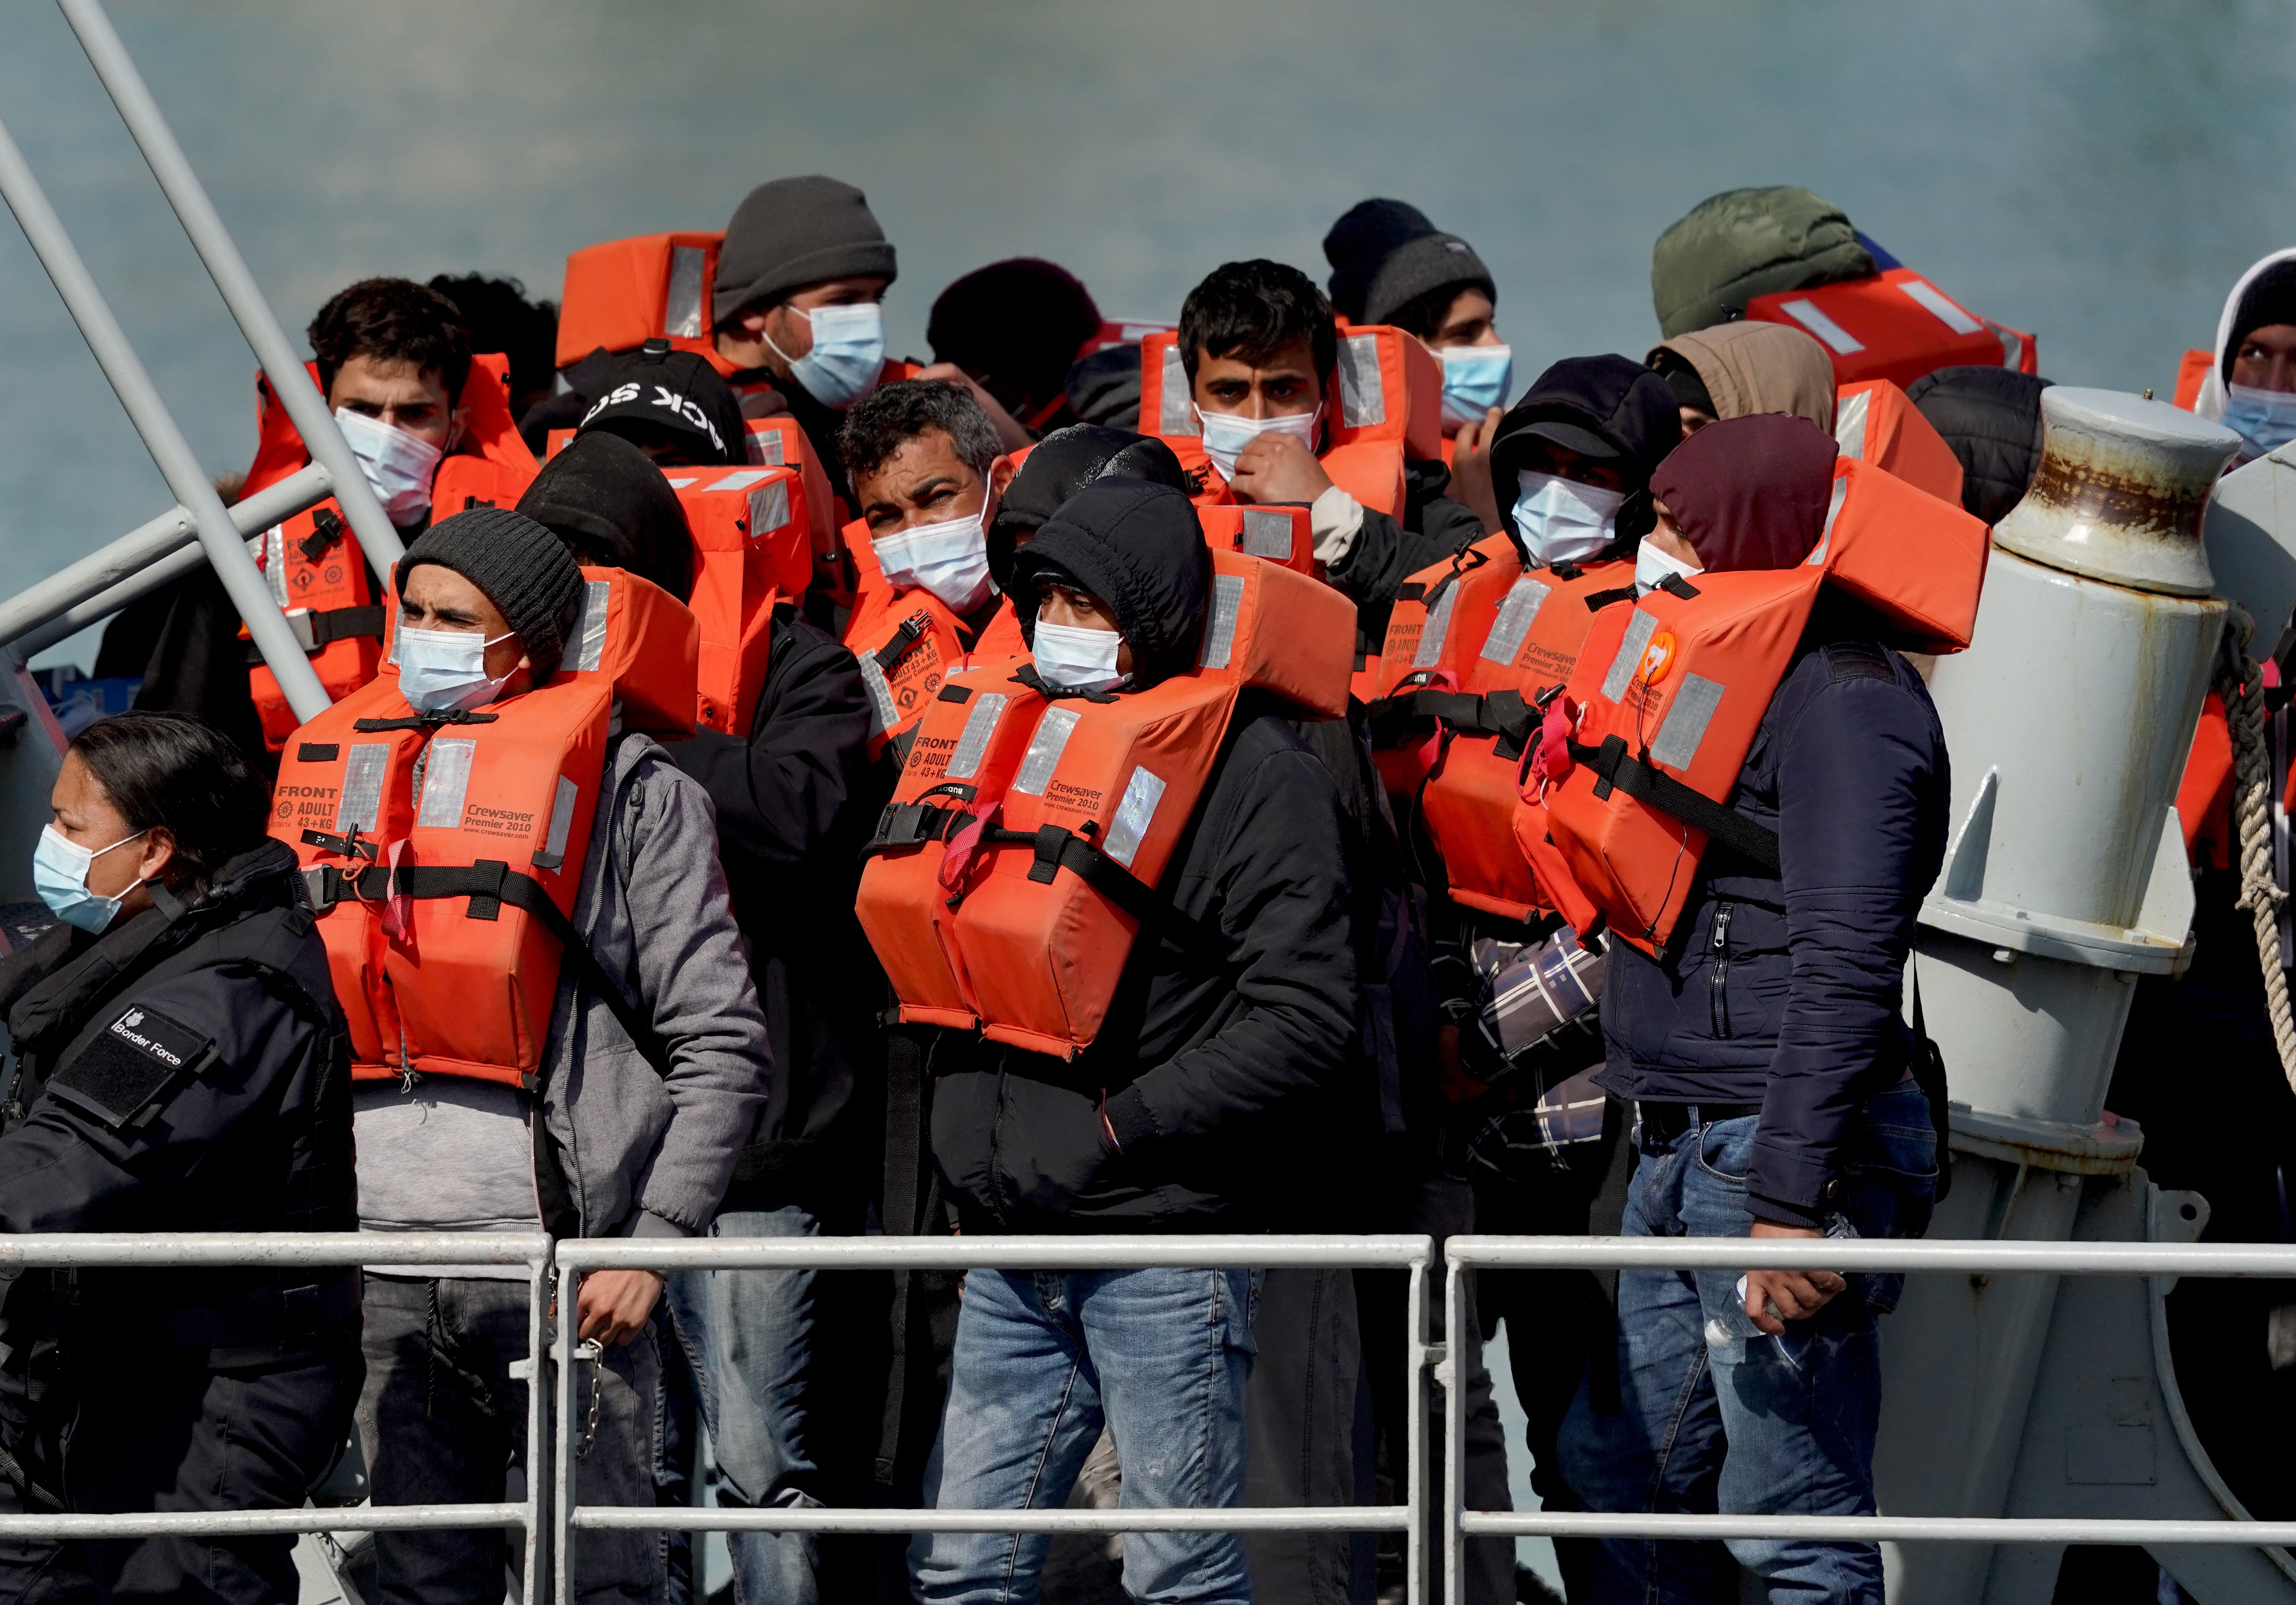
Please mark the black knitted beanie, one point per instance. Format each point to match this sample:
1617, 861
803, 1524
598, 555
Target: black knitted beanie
522, 566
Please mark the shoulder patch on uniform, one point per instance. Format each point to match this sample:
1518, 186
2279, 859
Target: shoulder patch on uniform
135, 1054
1857, 660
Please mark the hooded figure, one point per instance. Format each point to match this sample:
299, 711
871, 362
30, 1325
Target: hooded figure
1752, 493
1218, 1061
2265, 295
1139, 549
1612, 412
1743, 243
671, 404
1736, 369
612, 508
1063, 464
1768, 1058
1991, 418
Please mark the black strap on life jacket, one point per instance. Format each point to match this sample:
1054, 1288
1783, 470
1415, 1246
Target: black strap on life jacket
489, 884
326, 528
922, 819
429, 720
317, 628
912, 630
1058, 848
1649, 784
1509, 715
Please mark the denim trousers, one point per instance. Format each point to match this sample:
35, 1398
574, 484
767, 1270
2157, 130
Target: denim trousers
443, 1421
751, 1338
1717, 1415
1042, 1360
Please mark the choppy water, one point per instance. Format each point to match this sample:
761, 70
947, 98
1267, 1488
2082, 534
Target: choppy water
2096, 171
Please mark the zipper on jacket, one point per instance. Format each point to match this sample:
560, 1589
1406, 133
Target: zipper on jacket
1718, 982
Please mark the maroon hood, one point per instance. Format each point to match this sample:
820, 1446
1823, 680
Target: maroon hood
1749, 493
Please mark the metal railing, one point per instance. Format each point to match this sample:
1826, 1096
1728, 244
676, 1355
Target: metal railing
549, 1507
315, 1250
1995, 1258
1411, 1255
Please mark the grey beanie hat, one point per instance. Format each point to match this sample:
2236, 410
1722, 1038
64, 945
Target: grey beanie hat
1386, 253
795, 231
522, 566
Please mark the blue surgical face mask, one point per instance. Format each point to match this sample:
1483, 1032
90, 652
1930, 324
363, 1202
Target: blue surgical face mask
59, 868
1652, 567
1227, 435
1561, 520
848, 353
2266, 420
446, 669
1476, 378
1075, 657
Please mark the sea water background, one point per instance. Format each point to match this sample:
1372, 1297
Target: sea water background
2095, 171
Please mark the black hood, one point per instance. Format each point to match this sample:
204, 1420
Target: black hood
1063, 464
604, 497
1609, 407
1991, 418
656, 389
1139, 549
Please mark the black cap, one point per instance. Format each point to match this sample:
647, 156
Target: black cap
1386, 253
604, 498
654, 390
1140, 549
795, 231
523, 568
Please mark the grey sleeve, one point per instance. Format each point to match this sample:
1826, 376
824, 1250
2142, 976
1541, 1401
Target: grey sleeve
693, 982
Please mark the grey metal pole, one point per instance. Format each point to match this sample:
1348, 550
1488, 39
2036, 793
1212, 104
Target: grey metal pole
139, 563
228, 268
225, 547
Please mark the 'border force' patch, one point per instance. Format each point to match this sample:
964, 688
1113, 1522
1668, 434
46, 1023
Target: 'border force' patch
130, 1061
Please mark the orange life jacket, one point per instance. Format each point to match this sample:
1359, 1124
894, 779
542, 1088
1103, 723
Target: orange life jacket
1669, 693
750, 551
317, 572
1386, 406
1895, 324
1021, 851
1475, 646
443, 852
1874, 422
907, 642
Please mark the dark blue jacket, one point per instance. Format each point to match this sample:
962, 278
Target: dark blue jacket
1786, 991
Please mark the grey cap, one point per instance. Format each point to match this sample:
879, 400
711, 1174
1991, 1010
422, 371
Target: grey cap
795, 231
522, 566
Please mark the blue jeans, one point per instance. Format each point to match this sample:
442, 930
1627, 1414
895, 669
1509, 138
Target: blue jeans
1041, 1360
750, 1336
1717, 1415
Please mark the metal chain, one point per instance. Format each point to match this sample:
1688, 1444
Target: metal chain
2240, 683
591, 1354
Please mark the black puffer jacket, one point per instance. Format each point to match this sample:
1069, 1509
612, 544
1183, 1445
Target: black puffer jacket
1205, 1066
185, 1071
1991, 418
794, 801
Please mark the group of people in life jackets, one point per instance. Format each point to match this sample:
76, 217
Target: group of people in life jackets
1268, 770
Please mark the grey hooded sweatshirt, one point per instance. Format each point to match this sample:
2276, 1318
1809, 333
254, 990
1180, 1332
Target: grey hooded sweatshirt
644, 1153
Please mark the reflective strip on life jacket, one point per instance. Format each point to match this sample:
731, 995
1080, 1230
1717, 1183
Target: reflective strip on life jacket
1670, 692
430, 836
1874, 422
990, 893
1895, 324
